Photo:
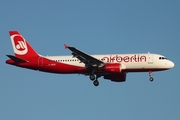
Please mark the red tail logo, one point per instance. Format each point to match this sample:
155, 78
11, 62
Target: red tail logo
20, 45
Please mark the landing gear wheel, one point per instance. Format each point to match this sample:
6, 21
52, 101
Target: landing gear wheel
151, 79
92, 77
150, 75
96, 83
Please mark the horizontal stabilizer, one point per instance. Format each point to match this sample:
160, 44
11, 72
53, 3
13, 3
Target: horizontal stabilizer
16, 59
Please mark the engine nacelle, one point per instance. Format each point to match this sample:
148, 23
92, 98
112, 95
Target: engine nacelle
121, 77
113, 68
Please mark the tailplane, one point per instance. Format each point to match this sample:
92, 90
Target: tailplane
22, 49
16, 59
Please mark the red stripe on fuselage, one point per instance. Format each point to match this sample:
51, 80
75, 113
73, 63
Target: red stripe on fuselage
48, 66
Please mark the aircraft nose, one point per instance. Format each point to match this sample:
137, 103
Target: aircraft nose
171, 64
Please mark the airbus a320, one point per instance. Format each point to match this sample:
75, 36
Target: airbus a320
112, 67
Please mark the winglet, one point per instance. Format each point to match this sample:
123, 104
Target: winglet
66, 46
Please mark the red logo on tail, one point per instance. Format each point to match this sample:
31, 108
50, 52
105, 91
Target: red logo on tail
19, 44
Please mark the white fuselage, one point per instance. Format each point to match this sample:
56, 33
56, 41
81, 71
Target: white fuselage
128, 61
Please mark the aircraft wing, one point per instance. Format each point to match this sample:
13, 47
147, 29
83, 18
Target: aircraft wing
88, 60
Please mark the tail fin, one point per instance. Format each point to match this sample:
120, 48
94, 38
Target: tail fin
22, 48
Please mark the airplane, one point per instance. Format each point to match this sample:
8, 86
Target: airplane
112, 67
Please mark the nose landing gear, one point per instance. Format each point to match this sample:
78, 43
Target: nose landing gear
150, 75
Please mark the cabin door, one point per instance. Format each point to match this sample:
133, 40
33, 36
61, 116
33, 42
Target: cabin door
40, 61
150, 58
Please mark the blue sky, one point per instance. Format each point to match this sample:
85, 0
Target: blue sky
95, 27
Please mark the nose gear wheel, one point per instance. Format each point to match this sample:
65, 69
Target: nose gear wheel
150, 75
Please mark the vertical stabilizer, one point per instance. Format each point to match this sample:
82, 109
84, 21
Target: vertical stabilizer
22, 48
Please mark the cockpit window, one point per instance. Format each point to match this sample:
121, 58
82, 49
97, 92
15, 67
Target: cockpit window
162, 58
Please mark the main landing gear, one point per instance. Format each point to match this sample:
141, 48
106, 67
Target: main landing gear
94, 79
96, 83
150, 75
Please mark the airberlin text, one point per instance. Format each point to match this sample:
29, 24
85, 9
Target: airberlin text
118, 58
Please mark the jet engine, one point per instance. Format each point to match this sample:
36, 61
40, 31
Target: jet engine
121, 77
113, 67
